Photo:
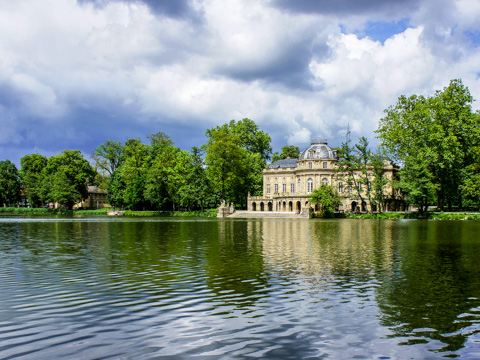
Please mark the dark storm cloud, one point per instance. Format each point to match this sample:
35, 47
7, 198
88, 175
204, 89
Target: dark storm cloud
288, 69
348, 7
170, 8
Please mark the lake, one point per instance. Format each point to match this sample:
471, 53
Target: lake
181, 288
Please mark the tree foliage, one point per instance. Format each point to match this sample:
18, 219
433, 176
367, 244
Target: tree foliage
31, 172
66, 177
326, 199
289, 151
108, 156
236, 155
9, 183
435, 139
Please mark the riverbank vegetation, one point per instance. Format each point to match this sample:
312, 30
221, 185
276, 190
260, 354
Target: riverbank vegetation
157, 176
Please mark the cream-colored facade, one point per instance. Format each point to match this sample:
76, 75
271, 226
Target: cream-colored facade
287, 184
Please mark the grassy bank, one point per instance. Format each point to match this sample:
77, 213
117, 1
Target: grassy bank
205, 213
416, 215
42, 211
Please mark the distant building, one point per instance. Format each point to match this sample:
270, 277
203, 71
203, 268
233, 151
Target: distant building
287, 184
97, 199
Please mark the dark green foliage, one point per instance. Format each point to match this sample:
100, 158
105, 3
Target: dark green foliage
65, 178
290, 151
9, 183
236, 155
31, 173
326, 200
436, 140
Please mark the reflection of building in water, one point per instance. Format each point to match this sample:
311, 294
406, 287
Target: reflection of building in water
329, 248
287, 184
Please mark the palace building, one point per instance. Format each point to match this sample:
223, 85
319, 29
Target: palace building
287, 184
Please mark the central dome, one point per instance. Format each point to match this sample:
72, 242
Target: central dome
319, 150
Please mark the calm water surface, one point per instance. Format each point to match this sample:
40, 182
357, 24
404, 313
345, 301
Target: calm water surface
101, 288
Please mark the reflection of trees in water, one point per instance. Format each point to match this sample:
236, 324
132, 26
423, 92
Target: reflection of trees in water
424, 275
234, 263
434, 286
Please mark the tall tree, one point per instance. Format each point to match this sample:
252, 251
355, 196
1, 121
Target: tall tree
132, 174
440, 132
66, 177
196, 190
108, 156
349, 169
9, 183
225, 159
252, 138
31, 172
288, 151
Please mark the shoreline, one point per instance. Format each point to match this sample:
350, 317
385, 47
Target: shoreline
457, 215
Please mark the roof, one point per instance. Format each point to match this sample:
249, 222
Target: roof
319, 150
285, 163
95, 190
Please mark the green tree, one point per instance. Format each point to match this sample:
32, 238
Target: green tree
225, 159
132, 175
66, 177
441, 133
108, 156
289, 151
378, 162
251, 138
158, 189
9, 183
196, 190
350, 169
31, 173
326, 200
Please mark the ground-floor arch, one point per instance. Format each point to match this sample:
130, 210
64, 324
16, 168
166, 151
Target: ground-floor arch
298, 206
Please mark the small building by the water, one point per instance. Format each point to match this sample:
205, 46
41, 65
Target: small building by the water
288, 183
97, 199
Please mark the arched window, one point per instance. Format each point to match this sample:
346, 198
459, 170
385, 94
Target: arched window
325, 181
309, 186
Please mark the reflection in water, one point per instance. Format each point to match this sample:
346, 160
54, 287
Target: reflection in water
281, 289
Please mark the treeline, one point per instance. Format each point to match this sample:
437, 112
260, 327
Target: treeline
153, 176
436, 141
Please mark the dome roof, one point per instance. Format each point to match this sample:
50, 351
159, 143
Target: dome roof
319, 150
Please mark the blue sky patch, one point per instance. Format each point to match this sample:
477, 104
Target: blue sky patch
473, 37
382, 30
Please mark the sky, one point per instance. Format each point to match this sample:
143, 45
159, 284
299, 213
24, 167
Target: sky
74, 73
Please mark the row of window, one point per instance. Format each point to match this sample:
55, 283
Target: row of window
310, 187
292, 186
325, 165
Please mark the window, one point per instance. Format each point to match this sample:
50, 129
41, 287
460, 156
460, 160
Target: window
309, 186
325, 165
325, 181
268, 188
276, 188
309, 165
292, 188
284, 188
340, 187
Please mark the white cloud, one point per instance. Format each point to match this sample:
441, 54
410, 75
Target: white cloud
242, 59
